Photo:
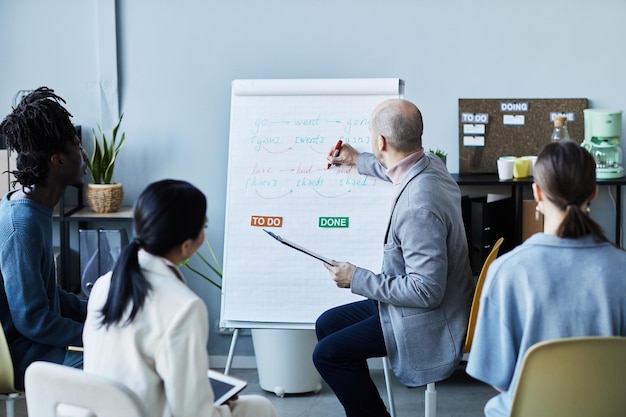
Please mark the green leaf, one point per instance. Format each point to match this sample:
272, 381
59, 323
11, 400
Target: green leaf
203, 276
102, 162
215, 269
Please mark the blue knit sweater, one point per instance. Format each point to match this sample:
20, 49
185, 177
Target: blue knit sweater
39, 318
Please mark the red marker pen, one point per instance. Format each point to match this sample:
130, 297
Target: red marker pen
336, 151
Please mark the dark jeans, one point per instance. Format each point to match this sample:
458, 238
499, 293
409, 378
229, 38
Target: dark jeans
73, 359
347, 336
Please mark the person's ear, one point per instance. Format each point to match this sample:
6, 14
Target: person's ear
537, 192
382, 143
185, 248
57, 159
593, 195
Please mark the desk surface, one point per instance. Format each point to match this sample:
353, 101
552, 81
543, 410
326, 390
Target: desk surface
492, 179
86, 214
517, 185
488, 179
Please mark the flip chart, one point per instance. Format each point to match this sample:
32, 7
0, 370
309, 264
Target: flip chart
278, 179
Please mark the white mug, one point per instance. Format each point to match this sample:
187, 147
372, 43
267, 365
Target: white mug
505, 167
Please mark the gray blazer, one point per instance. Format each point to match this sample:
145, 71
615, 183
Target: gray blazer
424, 290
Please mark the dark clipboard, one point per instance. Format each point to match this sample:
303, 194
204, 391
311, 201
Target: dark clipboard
224, 386
299, 248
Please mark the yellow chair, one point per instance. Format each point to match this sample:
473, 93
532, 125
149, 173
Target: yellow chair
574, 377
54, 390
8, 393
477, 292
430, 395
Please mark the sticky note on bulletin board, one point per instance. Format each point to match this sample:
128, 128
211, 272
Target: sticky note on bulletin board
490, 128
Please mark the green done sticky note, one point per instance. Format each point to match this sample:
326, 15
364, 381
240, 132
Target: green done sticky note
333, 222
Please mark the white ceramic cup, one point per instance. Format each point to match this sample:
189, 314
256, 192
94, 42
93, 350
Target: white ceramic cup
505, 168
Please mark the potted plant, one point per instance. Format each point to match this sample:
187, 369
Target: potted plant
440, 153
103, 196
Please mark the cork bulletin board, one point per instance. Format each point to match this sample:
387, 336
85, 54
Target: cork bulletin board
490, 128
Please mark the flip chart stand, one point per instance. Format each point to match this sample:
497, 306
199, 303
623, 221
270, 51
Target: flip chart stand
231, 351
280, 134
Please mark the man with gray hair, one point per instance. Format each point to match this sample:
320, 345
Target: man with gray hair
416, 309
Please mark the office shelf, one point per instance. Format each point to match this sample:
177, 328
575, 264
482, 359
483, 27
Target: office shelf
85, 214
82, 215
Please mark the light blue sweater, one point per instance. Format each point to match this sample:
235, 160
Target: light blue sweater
39, 318
547, 288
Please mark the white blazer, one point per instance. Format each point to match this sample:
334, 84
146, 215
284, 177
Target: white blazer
162, 355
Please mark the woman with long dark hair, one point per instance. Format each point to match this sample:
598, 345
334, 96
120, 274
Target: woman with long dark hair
568, 281
145, 328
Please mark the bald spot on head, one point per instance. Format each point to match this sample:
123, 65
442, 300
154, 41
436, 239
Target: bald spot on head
400, 123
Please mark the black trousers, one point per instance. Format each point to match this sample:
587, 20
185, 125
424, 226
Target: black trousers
347, 336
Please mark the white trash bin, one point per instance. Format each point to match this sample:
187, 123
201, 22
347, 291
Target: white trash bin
284, 362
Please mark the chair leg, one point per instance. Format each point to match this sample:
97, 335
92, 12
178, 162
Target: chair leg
10, 407
430, 401
392, 406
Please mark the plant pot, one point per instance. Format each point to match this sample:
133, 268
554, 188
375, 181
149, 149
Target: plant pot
105, 198
284, 362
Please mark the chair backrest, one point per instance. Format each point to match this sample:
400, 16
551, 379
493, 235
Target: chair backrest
477, 291
574, 377
55, 390
7, 383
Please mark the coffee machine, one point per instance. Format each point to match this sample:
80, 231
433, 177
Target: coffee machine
603, 129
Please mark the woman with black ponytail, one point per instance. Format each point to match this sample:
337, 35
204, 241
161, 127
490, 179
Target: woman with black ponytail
145, 328
568, 281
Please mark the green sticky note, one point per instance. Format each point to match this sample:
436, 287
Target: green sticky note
333, 222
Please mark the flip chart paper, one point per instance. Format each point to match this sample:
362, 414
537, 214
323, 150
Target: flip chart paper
299, 248
281, 132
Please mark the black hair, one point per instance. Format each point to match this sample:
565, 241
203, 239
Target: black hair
167, 213
37, 128
566, 174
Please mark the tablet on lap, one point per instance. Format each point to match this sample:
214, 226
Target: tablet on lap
224, 386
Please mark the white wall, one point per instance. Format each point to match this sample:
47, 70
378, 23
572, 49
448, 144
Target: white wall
176, 61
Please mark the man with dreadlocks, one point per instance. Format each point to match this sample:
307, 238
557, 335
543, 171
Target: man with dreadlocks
39, 318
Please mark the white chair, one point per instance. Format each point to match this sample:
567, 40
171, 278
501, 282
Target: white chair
54, 390
574, 377
430, 395
8, 393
